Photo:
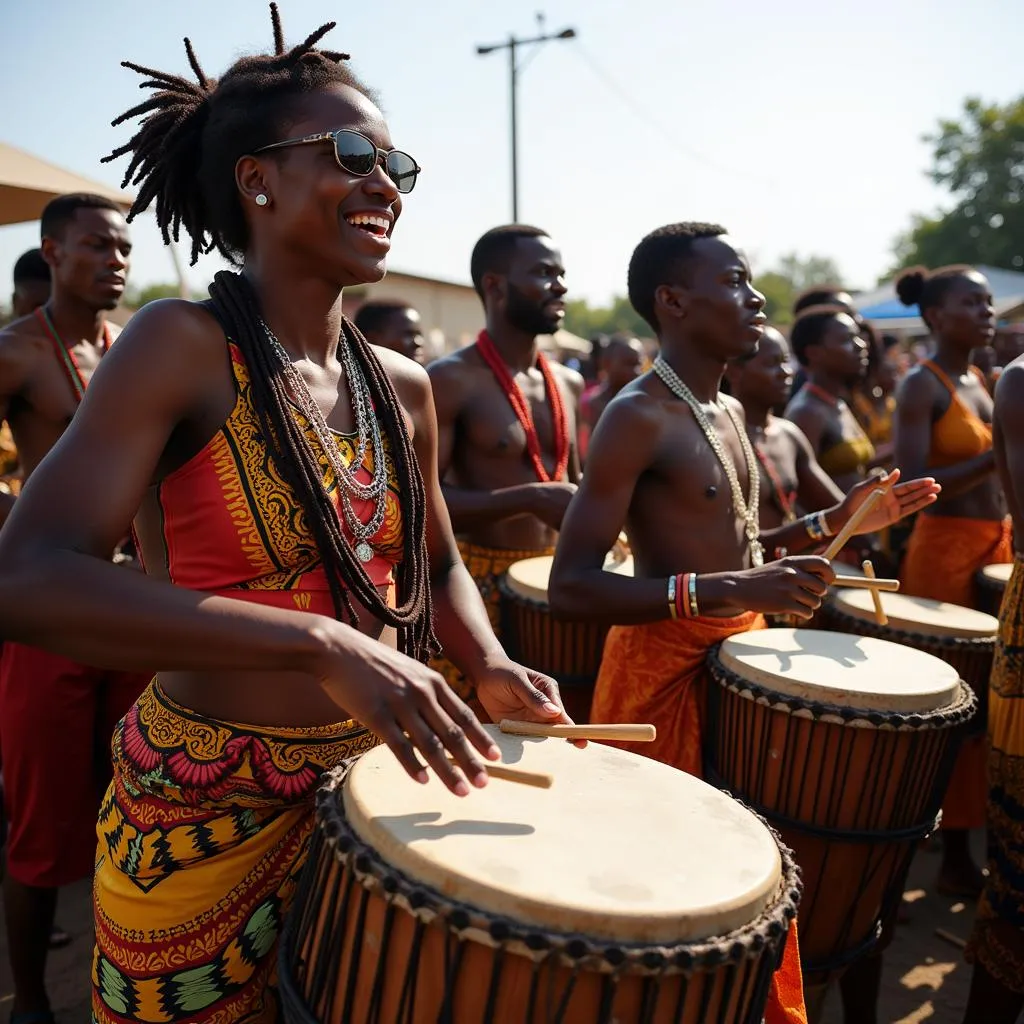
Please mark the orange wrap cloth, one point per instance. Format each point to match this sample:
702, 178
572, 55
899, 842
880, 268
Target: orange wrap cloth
657, 673
943, 555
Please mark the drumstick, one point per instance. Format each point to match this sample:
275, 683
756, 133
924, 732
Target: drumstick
953, 940
840, 539
632, 733
541, 780
870, 583
880, 617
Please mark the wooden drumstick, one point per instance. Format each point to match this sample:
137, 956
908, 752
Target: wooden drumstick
880, 617
540, 780
841, 538
632, 733
867, 583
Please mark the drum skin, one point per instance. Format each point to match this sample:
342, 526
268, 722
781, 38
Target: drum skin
851, 792
366, 941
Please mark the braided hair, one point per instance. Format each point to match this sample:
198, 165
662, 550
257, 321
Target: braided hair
207, 125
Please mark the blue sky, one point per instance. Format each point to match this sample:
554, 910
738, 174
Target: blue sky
795, 123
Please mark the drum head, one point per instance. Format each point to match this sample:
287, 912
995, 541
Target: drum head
837, 668
998, 573
919, 614
529, 578
621, 848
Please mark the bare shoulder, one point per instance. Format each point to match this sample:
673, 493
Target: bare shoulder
410, 380
802, 410
570, 378
20, 336
728, 402
455, 376
1010, 387
22, 343
917, 387
792, 433
174, 341
633, 412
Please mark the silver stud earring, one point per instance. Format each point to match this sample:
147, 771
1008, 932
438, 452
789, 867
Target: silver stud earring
262, 200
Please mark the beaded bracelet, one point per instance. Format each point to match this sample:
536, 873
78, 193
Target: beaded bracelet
816, 527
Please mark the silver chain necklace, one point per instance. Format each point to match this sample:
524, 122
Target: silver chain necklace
368, 438
748, 509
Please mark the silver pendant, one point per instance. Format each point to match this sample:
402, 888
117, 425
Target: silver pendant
364, 552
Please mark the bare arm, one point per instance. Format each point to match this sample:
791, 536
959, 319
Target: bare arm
1008, 419
468, 508
623, 447
913, 436
12, 381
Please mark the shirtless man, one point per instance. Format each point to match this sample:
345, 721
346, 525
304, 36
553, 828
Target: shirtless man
394, 325
652, 466
505, 506
56, 717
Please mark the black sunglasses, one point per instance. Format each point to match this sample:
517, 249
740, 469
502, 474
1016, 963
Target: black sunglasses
357, 155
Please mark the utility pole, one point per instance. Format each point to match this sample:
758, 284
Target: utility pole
513, 68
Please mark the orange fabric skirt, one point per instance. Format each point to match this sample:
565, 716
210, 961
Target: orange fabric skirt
943, 555
657, 673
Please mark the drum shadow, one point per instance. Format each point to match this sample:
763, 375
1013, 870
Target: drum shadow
843, 648
411, 828
512, 746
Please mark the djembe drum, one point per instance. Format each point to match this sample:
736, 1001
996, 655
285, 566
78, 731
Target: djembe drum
628, 891
845, 745
568, 651
963, 637
991, 581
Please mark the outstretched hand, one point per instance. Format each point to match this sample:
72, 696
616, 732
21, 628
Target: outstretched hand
899, 501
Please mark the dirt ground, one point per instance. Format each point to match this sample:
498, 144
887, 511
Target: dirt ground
925, 976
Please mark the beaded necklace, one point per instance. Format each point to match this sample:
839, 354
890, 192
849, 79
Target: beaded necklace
65, 356
747, 509
490, 355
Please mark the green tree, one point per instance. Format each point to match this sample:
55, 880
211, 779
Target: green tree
779, 294
980, 160
808, 272
585, 320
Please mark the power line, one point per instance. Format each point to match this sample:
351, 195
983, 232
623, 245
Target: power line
668, 136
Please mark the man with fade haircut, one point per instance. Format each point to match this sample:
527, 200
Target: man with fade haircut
507, 416
56, 716
394, 325
671, 460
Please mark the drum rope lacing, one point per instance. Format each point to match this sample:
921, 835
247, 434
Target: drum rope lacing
364, 868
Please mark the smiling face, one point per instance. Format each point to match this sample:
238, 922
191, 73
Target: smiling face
330, 222
534, 287
89, 257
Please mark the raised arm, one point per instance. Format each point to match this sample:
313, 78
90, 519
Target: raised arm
913, 437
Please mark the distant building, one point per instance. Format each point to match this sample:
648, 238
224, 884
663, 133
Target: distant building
451, 312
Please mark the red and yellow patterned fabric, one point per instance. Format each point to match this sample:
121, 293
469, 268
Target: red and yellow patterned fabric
231, 525
202, 836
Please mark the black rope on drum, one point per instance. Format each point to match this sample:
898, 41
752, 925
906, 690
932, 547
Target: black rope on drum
570, 986
453, 964
407, 1004
325, 969
335, 946
377, 989
355, 956
494, 985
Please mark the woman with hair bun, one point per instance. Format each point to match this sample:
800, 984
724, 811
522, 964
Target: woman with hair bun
944, 427
282, 476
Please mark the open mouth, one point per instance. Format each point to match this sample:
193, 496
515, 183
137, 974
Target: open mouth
370, 223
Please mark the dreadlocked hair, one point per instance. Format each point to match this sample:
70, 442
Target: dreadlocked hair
208, 125
192, 134
236, 306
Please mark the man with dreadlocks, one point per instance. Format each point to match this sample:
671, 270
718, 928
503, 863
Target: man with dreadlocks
507, 416
56, 712
297, 558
